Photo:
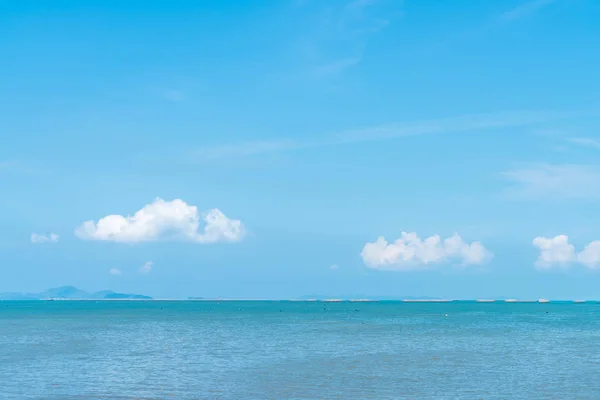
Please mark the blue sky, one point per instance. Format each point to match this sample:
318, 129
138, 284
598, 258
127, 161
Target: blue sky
313, 128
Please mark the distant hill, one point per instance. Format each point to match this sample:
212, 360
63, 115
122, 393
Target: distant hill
72, 293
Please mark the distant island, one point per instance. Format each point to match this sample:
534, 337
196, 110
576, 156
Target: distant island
72, 293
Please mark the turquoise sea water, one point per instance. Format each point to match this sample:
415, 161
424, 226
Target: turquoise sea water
298, 350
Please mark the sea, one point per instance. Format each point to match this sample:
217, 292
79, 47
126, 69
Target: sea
252, 350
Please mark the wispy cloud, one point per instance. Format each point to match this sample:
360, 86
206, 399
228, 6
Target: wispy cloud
246, 149
146, 268
584, 141
115, 272
525, 9
339, 32
14, 167
37, 238
361, 18
553, 182
560, 137
337, 66
476, 122
550, 133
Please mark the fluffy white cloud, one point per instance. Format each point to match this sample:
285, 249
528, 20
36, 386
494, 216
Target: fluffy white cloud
146, 268
42, 238
115, 271
590, 256
161, 219
554, 251
558, 252
410, 252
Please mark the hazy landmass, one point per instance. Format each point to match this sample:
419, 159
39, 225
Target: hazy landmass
72, 293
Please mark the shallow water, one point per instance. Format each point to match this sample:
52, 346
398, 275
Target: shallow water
298, 350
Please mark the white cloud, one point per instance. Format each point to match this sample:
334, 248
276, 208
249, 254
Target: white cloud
590, 256
410, 252
548, 181
164, 220
334, 266
115, 271
554, 251
146, 268
558, 252
43, 238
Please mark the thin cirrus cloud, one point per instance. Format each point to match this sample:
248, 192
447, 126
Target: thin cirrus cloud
525, 9
337, 66
585, 141
410, 252
553, 181
467, 123
37, 238
164, 220
20, 168
557, 252
115, 272
339, 32
146, 268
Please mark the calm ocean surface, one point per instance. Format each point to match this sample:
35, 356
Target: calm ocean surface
298, 350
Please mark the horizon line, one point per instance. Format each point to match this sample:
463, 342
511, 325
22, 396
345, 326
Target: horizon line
325, 300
